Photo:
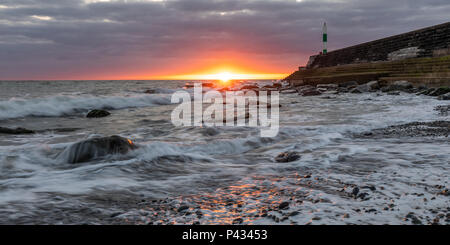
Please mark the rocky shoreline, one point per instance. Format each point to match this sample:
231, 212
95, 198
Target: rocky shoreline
414, 129
261, 202
300, 195
441, 93
248, 203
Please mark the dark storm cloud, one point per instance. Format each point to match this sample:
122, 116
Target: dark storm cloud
57, 38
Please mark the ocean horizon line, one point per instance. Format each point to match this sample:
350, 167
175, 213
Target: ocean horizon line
87, 80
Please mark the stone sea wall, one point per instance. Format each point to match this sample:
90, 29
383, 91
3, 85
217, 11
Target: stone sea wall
428, 42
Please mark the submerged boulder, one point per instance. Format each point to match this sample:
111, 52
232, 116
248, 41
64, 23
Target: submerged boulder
434, 91
288, 156
15, 131
444, 96
424, 91
439, 91
98, 113
91, 149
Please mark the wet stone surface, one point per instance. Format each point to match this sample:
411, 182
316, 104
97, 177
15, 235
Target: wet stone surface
415, 129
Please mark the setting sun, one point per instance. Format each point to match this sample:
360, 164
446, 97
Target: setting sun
224, 76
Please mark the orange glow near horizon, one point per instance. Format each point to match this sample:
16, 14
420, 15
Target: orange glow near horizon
231, 69
225, 76
211, 66
219, 69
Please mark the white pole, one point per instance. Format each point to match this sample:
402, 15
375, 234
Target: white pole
325, 38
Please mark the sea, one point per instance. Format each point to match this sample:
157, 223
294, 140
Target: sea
227, 173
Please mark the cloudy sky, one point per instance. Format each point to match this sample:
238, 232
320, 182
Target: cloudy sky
150, 39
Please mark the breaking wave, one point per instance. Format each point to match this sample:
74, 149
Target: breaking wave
60, 105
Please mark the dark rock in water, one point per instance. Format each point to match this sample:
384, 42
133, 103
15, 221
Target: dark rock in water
362, 195
440, 91
310, 92
274, 85
97, 113
283, 205
370, 187
304, 87
328, 97
398, 86
210, 131
422, 92
182, 208
150, 91
249, 87
330, 86
342, 90
238, 221
91, 149
348, 84
416, 221
15, 131
115, 214
288, 156
368, 87
355, 191
444, 96
422, 87
413, 90
386, 89
413, 218
426, 91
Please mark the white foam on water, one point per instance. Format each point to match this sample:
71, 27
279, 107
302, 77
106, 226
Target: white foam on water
309, 127
60, 105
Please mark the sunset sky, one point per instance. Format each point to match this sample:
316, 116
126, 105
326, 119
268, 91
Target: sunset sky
188, 39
